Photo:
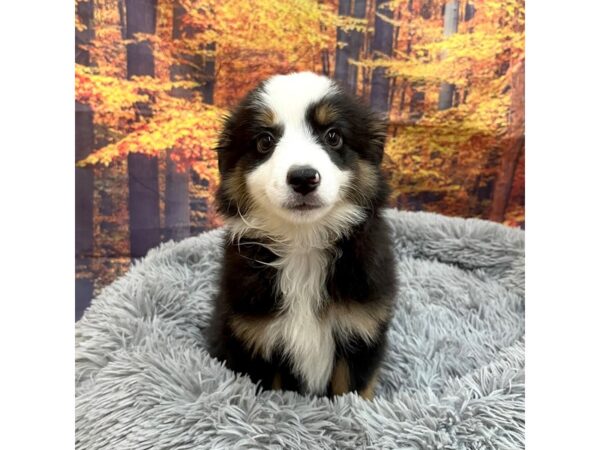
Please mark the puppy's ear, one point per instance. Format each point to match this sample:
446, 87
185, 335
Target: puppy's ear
377, 126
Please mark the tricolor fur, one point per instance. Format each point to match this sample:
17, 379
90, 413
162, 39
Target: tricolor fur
307, 283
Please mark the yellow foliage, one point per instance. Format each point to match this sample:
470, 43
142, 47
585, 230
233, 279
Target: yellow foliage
249, 41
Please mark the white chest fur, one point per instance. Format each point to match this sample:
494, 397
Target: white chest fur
306, 337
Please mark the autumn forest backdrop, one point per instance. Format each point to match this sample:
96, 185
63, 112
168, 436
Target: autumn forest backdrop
155, 77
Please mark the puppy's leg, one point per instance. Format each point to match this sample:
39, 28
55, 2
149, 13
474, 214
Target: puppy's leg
277, 384
362, 361
341, 382
340, 377
368, 391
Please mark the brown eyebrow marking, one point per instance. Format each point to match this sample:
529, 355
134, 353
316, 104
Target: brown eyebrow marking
266, 117
325, 113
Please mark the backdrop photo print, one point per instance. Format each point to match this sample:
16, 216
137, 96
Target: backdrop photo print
154, 79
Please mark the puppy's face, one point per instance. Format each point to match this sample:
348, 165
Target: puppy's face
298, 147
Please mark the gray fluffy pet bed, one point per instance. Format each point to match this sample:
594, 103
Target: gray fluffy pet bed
453, 377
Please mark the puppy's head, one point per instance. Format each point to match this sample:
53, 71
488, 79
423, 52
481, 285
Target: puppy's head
301, 150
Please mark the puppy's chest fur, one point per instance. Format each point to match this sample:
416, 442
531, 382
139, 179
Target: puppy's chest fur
303, 326
308, 323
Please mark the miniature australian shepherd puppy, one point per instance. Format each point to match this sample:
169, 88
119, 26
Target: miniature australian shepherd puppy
307, 285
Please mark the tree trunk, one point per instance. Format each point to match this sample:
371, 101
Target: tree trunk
514, 146
504, 179
325, 70
383, 40
177, 198
208, 76
447, 90
177, 201
200, 205
427, 9
349, 45
84, 176
469, 11
325, 62
144, 211
356, 43
468, 15
342, 52
416, 106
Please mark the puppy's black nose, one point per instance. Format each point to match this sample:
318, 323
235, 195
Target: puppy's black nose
303, 179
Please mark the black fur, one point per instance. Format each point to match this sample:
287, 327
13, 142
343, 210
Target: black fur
362, 268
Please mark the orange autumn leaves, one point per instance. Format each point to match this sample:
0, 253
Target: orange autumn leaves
452, 151
251, 44
188, 127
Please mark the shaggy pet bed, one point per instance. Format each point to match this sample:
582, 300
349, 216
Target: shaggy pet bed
453, 377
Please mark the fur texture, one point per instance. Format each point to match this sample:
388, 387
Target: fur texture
452, 377
308, 279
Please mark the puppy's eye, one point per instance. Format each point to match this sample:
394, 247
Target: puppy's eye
333, 138
265, 143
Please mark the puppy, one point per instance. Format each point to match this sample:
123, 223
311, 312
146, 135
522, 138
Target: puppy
307, 283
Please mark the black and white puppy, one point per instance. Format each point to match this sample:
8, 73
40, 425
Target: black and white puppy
307, 284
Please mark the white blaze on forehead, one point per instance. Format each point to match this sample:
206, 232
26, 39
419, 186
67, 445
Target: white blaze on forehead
289, 96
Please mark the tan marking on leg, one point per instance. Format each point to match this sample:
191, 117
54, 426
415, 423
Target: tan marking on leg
364, 320
368, 392
252, 332
340, 378
276, 385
